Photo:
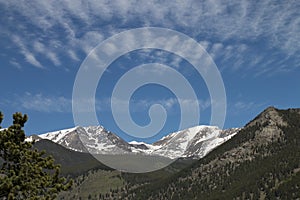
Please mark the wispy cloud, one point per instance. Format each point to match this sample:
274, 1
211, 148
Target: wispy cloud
29, 57
14, 63
52, 104
246, 107
46, 51
80, 26
42, 103
170, 104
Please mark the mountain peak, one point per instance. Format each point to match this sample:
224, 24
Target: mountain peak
260, 162
269, 116
192, 142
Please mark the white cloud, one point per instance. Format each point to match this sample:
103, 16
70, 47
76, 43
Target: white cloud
73, 55
29, 57
87, 42
15, 64
169, 104
241, 106
216, 50
176, 62
60, 104
42, 103
205, 44
278, 24
53, 57
39, 47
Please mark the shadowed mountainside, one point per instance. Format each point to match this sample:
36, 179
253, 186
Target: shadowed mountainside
262, 161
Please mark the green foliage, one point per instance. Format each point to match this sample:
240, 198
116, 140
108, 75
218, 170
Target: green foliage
248, 166
26, 173
1, 118
94, 183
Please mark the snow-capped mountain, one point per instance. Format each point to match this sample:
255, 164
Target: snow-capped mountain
93, 139
192, 142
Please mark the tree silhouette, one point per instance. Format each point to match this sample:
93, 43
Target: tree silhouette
25, 172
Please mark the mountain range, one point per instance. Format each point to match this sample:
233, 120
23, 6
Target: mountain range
258, 161
262, 161
192, 142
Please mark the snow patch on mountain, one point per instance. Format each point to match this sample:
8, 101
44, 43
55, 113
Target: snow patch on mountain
192, 142
56, 136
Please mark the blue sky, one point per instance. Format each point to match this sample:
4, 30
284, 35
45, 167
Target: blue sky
255, 45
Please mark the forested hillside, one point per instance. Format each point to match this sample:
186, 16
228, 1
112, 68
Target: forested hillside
261, 162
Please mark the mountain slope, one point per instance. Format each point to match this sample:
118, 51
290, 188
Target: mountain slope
193, 142
72, 163
262, 161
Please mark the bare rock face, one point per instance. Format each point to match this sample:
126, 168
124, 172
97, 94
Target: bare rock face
251, 142
72, 140
297, 110
193, 142
270, 116
270, 122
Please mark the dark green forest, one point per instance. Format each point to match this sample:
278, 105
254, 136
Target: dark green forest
261, 162
25, 172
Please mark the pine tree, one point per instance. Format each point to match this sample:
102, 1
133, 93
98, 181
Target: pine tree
25, 172
1, 118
